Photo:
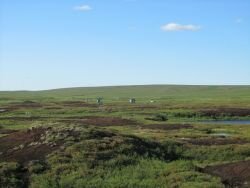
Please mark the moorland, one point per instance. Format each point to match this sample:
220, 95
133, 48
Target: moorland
167, 138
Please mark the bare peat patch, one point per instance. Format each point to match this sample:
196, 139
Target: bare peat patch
167, 126
241, 112
216, 141
32, 144
100, 121
6, 131
25, 104
76, 104
232, 174
23, 118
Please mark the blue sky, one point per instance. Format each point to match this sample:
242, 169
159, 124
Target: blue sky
61, 43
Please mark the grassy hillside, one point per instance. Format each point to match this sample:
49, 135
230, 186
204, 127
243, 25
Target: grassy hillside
228, 95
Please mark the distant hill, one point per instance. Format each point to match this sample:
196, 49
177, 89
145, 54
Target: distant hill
143, 92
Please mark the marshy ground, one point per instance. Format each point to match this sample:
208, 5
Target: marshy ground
62, 138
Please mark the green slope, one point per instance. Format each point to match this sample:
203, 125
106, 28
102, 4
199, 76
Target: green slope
167, 93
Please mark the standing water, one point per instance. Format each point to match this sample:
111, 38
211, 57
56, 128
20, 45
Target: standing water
228, 122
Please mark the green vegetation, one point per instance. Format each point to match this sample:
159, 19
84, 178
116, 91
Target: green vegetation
62, 138
10, 175
158, 117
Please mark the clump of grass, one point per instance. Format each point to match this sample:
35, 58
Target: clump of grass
36, 167
106, 159
11, 175
158, 117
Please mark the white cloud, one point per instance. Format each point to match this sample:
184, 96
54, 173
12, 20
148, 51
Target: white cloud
83, 8
179, 27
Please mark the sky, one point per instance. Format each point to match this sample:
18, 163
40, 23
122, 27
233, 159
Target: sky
60, 43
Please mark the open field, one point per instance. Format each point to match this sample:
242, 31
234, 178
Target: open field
63, 138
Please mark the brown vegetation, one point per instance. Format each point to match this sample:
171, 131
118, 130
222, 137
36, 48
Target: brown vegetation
232, 174
167, 126
100, 121
226, 112
216, 141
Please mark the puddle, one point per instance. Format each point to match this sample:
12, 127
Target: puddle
221, 134
228, 122
3, 110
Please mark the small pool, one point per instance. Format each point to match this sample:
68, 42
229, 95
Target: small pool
228, 122
221, 134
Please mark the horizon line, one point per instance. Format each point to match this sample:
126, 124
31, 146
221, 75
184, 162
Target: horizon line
127, 85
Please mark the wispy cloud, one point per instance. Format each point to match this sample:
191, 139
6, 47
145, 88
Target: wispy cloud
83, 8
180, 27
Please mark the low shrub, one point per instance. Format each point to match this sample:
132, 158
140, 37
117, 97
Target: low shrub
158, 117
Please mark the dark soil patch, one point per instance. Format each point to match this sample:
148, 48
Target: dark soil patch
76, 104
217, 141
53, 108
242, 112
17, 146
167, 126
6, 131
20, 138
97, 134
233, 174
27, 154
101, 121
25, 104
144, 107
17, 118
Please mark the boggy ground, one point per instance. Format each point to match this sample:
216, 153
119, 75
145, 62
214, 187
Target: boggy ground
216, 141
24, 104
95, 155
166, 126
33, 144
100, 121
231, 112
99, 147
80, 144
75, 104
